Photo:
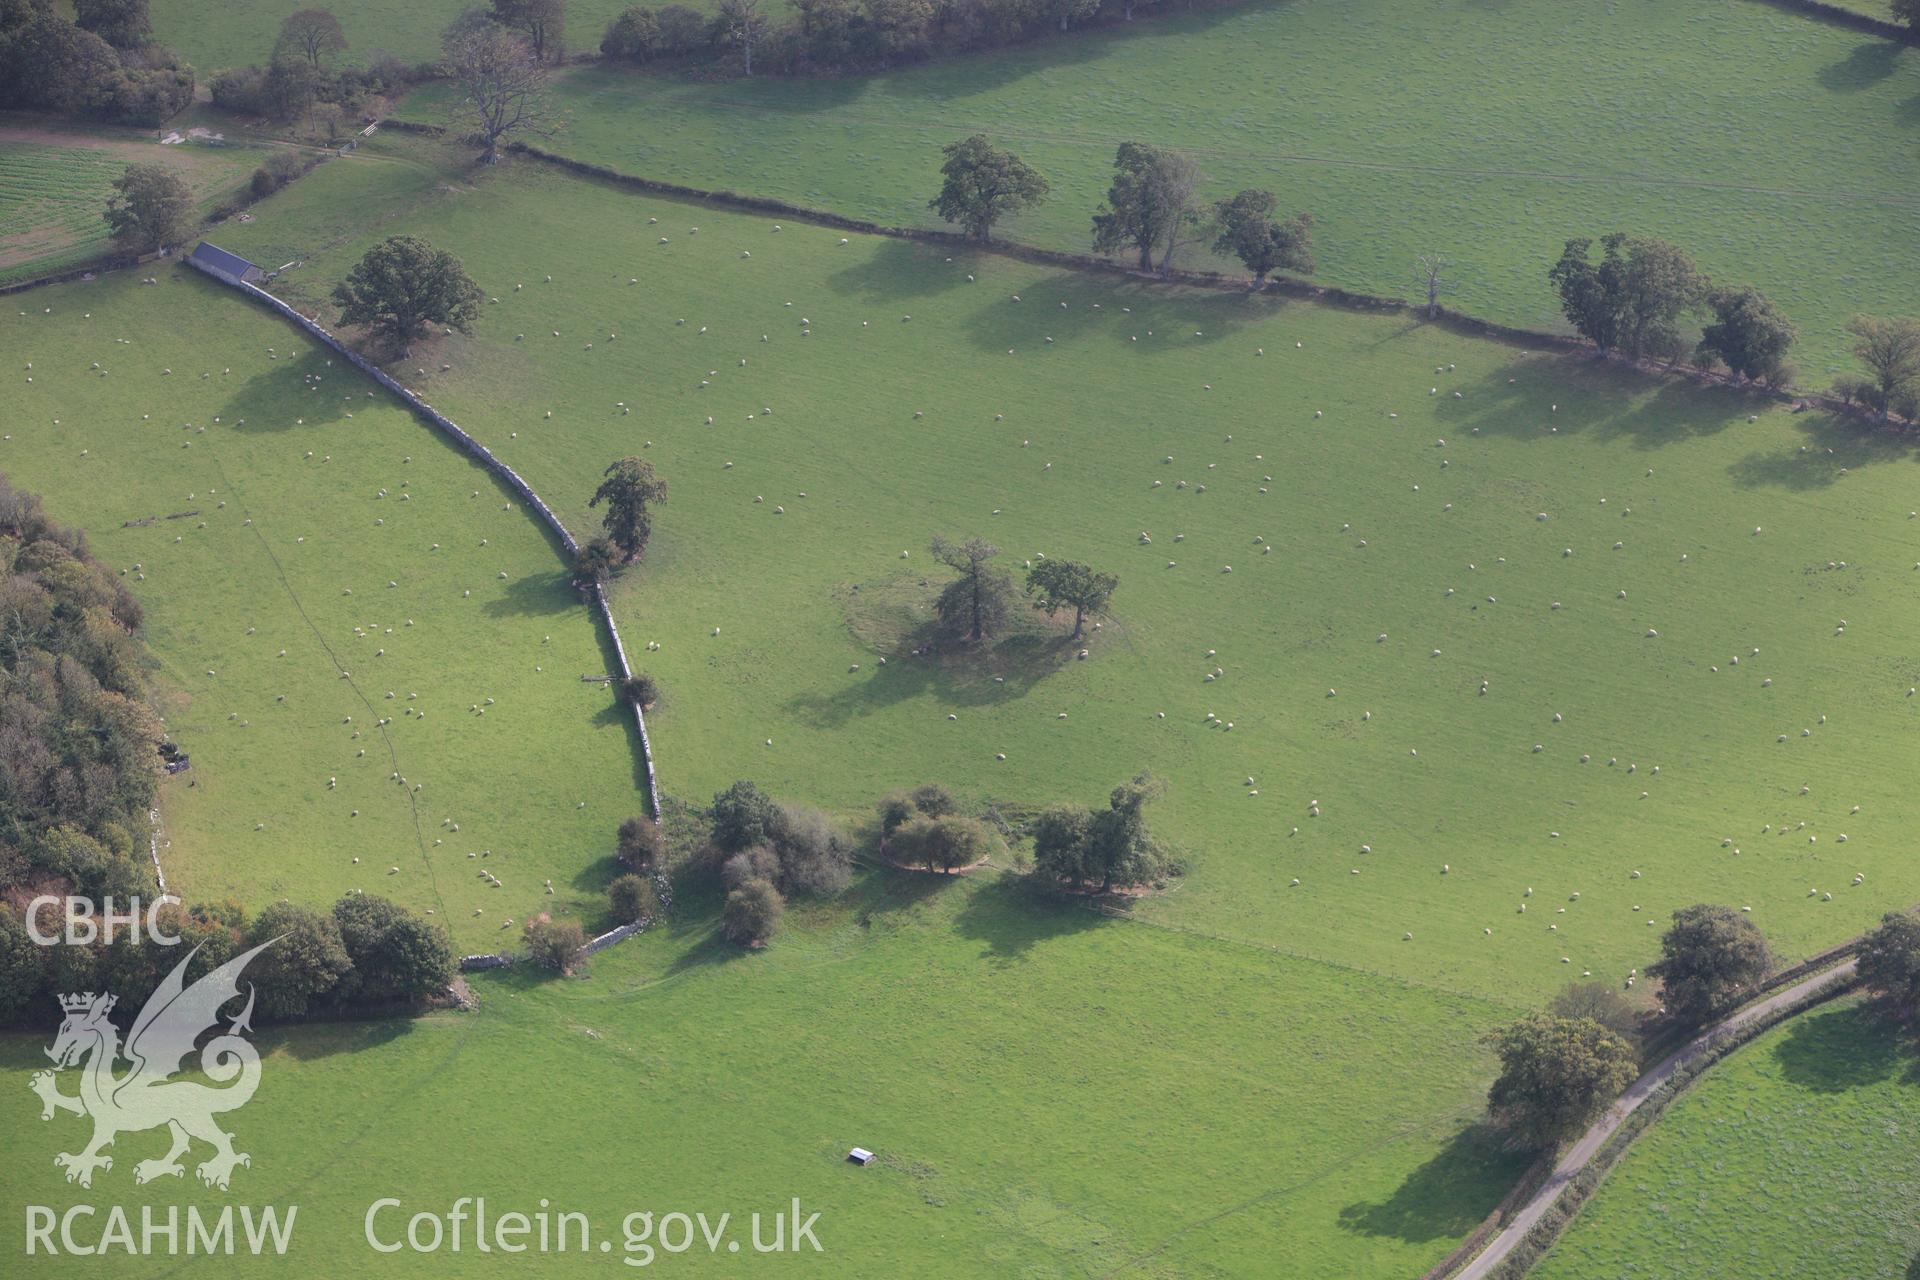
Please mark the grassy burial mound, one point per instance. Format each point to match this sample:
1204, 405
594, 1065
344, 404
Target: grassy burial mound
338, 599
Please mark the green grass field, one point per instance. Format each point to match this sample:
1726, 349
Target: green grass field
215, 36
303, 529
1793, 1158
1768, 145
55, 182
1555, 649
1370, 530
1054, 1094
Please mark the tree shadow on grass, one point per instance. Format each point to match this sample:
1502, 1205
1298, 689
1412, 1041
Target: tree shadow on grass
1838, 1050
1149, 318
534, 595
318, 1040
1832, 445
900, 270
1868, 64
1542, 398
1009, 917
1445, 1198
279, 398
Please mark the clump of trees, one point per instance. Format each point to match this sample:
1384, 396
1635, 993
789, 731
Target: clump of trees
1633, 299
1710, 960
99, 65
403, 285
842, 35
1557, 1076
796, 848
924, 828
984, 183
304, 80
1101, 850
80, 747
629, 489
151, 208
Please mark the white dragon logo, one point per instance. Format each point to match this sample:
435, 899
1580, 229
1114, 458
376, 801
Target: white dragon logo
173, 1018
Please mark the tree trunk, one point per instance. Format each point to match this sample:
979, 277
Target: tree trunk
749, 49
1063, 22
492, 155
1146, 257
1079, 621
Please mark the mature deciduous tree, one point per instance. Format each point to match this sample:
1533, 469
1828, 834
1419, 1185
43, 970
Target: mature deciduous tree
305, 962
503, 87
1248, 231
312, 35
555, 944
152, 208
629, 489
543, 22
1147, 205
743, 815
124, 24
1601, 1003
633, 36
983, 184
1068, 584
742, 23
1748, 334
944, 843
1710, 959
395, 955
404, 284
1557, 1076
1890, 350
975, 603
1631, 300
1432, 273
1889, 961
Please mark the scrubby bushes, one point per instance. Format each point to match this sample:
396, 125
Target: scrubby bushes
752, 913
281, 168
924, 828
641, 688
555, 944
633, 897
642, 843
798, 848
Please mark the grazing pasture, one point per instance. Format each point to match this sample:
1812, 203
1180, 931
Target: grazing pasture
1773, 148
282, 528
1792, 1158
54, 182
1049, 1092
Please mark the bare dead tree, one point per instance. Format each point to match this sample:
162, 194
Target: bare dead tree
503, 87
1430, 273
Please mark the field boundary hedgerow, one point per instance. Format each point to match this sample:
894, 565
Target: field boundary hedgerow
1841, 17
486, 457
1330, 295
